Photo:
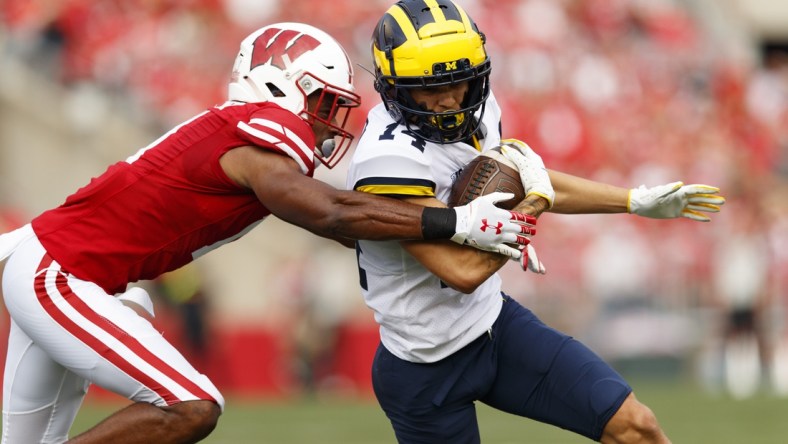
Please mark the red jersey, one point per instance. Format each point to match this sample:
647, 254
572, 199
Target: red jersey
170, 202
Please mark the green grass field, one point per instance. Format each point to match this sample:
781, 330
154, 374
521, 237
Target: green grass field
687, 414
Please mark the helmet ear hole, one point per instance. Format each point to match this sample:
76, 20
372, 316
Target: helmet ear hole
275, 92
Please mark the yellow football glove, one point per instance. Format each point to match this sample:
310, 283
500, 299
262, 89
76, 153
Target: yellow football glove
675, 200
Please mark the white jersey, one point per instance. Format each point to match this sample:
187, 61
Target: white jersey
421, 318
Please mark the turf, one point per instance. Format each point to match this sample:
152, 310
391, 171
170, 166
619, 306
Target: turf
687, 415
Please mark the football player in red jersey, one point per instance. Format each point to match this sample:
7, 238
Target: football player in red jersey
204, 183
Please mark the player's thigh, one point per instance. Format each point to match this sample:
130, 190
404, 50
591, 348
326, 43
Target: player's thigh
426, 403
41, 398
126, 354
94, 335
32, 379
549, 376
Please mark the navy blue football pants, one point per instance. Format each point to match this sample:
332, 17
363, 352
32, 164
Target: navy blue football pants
522, 367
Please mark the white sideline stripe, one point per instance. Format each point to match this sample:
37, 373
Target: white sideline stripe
107, 339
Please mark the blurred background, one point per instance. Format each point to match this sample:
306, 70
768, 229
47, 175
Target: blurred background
627, 92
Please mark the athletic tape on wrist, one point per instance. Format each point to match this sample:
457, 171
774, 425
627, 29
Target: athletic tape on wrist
438, 223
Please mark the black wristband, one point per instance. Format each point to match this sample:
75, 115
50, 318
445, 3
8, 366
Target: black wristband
438, 223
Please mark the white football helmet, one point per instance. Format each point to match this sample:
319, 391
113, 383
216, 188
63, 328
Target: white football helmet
284, 63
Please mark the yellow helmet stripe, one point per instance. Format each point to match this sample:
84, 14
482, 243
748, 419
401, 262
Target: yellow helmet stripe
404, 23
436, 11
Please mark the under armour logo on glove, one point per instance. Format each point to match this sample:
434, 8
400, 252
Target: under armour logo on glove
497, 227
485, 226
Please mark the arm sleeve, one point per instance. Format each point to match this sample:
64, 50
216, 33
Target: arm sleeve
392, 171
281, 131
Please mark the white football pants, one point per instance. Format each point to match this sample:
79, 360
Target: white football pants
66, 334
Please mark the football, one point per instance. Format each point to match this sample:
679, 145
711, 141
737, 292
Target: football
489, 172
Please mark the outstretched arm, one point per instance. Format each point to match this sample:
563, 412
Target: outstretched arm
575, 195
328, 212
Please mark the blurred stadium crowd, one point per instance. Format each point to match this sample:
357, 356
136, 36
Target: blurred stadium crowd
623, 91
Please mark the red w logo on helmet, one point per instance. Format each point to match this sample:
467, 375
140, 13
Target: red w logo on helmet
274, 45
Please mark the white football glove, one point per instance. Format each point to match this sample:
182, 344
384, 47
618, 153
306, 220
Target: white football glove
482, 225
533, 173
529, 261
675, 200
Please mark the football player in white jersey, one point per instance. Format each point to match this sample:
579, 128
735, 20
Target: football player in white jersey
203, 184
449, 336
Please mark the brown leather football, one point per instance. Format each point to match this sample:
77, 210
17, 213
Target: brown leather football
488, 172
